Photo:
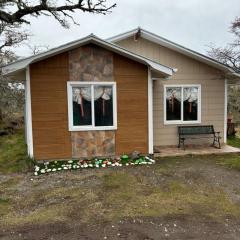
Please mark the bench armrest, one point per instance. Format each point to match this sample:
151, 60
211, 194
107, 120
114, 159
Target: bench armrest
218, 134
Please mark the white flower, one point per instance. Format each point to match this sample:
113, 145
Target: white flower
127, 164
147, 157
65, 168
54, 170
42, 171
59, 169
70, 161
97, 166
37, 168
151, 160
35, 173
46, 163
109, 163
78, 166
150, 163
85, 165
90, 165
103, 165
49, 170
119, 164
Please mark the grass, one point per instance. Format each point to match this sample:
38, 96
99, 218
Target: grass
234, 141
13, 153
174, 186
232, 161
119, 194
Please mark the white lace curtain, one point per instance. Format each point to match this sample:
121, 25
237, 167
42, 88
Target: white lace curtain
190, 94
81, 93
85, 93
174, 93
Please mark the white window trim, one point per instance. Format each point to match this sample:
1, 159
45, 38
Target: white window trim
71, 128
177, 122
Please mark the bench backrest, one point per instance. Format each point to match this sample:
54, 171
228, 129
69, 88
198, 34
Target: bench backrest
194, 130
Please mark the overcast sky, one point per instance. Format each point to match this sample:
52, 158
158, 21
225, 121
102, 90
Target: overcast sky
191, 23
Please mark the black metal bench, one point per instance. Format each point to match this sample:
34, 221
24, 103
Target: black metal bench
191, 132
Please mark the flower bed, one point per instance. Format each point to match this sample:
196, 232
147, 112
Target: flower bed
54, 166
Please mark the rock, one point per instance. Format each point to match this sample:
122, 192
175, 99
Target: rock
108, 69
135, 155
87, 77
3, 132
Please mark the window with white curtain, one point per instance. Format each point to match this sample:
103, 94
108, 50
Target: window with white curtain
182, 104
92, 106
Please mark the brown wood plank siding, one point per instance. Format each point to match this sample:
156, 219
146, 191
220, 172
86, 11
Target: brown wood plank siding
51, 138
132, 105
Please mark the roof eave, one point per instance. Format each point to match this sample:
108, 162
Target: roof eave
22, 64
171, 45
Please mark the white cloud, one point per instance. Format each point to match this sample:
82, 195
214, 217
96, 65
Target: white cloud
192, 23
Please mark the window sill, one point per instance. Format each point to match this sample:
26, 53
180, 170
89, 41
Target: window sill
80, 129
181, 122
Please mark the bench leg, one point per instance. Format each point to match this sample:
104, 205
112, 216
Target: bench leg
181, 142
219, 143
216, 140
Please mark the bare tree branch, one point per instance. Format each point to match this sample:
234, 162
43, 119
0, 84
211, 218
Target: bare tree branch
230, 54
60, 12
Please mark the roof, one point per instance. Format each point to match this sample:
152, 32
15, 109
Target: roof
17, 67
176, 47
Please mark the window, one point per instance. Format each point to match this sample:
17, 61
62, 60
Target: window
92, 106
182, 104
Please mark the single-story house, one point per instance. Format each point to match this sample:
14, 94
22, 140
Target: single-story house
95, 97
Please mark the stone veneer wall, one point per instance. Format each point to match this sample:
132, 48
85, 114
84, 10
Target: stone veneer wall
91, 63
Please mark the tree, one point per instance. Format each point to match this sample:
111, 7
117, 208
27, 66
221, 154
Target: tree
15, 11
230, 56
11, 94
13, 15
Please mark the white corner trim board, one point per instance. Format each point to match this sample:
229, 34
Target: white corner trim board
225, 111
150, 112
29, 114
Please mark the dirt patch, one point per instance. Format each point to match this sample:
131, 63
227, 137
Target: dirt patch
169, 227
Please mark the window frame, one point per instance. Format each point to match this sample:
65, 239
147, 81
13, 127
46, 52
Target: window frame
92, 127
182, 122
